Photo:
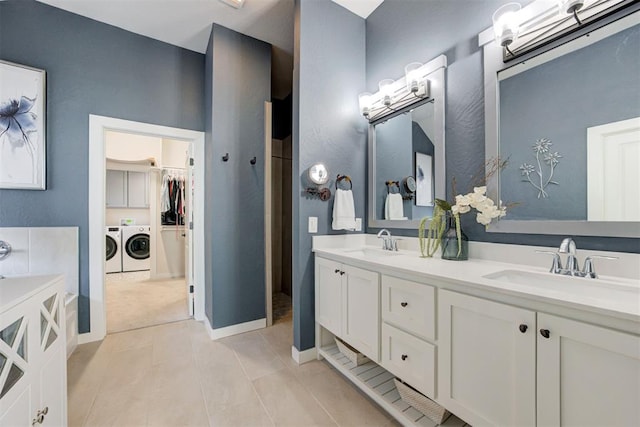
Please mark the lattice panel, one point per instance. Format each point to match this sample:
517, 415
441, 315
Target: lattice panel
13, 354
50, 321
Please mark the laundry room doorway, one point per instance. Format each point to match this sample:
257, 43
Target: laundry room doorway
146, 193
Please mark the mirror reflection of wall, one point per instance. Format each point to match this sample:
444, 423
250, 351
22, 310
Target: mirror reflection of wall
546, 112
399, 142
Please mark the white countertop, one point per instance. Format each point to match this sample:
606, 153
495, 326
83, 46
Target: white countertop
14, 290
618, 297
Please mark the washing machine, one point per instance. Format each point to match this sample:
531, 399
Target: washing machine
136, 248
113, 262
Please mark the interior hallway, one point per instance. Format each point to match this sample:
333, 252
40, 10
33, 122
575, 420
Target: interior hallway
173, 374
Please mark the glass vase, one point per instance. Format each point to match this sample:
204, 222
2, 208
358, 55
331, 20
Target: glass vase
451, 250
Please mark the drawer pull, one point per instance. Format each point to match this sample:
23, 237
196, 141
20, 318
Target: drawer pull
336, 271
523, 328
545, 333
404, 304
342, 273
404, 357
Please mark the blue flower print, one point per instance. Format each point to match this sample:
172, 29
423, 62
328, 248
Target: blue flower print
17, 122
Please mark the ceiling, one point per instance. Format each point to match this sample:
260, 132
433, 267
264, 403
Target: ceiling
187, 23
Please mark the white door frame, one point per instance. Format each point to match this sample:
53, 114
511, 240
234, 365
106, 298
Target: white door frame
98, 125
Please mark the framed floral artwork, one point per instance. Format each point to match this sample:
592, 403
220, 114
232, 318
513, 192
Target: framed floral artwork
22, 127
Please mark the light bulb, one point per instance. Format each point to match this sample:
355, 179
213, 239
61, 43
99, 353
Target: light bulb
412, 76
364, 100
386, 89
506, 22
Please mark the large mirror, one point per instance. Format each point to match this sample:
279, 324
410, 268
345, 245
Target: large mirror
407, 160
568, 121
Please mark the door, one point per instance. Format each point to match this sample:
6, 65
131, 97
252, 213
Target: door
486, 361
137, 189
361, 310
189, 185
587, 375
329, 294
116, 189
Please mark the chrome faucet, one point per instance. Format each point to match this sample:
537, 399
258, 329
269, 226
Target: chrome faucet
388, 242
568, 246
5, 249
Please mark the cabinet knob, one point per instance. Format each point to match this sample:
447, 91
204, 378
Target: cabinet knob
342, 273
404, 304
545, 333
404, 357
523, 328
336, 271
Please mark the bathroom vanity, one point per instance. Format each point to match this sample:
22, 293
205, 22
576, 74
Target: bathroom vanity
33, 369
494, 343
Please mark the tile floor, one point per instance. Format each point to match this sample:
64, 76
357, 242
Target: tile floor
174, 375
135, 301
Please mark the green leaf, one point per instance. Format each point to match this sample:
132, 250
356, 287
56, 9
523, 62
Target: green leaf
443, 204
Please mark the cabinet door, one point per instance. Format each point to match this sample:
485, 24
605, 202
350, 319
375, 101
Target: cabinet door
138, 189
328, 296
361, 311
486, 364
116, 187
587, 375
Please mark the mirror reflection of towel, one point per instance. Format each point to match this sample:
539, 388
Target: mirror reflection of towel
344, 211
393, 208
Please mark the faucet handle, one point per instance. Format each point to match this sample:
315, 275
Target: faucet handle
589, 269
394, 243
556, 266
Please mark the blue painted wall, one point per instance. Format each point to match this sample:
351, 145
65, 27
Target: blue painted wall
329, 72
238, 82
92, 68
399, 32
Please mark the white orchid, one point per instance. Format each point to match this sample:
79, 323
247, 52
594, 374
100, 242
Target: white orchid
487, 209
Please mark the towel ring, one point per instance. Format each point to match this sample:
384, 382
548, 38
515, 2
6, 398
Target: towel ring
345, 177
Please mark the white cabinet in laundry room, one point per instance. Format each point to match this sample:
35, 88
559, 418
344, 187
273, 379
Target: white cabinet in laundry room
127, 189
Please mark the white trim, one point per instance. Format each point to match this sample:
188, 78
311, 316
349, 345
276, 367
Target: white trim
268, 213
98, 125
240, 328
303, 356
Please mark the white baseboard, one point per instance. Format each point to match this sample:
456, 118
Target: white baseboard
303, 356
216, 334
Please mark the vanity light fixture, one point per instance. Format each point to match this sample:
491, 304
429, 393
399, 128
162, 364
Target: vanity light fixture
394, 95
521, 30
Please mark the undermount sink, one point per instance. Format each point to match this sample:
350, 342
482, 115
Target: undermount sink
596, 288
371, 252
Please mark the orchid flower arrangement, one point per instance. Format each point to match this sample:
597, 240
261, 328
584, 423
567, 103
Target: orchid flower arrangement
430, 236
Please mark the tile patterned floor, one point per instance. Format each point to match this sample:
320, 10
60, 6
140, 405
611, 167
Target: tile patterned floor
135, 301
174, 375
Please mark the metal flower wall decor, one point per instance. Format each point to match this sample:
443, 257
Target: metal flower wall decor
22, 127
543, 155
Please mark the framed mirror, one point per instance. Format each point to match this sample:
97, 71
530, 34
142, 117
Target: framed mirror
568, 121
407, 158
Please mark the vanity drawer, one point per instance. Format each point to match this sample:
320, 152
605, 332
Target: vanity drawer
410, 306
409, 358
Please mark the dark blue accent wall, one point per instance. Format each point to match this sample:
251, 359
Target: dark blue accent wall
238, 82
92, 68
329, 72
400, 32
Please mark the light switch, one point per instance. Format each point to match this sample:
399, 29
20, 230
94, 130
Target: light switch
313, 224
358, 224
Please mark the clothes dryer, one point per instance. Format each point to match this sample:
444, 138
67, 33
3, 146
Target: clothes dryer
113, 263
136, 248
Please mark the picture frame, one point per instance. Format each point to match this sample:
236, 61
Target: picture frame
23, 133
424, 180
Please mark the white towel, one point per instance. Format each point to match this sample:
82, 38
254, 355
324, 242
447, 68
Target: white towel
393, 208
344, 211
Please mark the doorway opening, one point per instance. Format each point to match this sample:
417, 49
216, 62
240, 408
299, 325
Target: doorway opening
147, 248
134, 185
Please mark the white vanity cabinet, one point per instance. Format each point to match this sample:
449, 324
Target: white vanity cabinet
505, 365
348, 304
33, 374
486, 360
587, 375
